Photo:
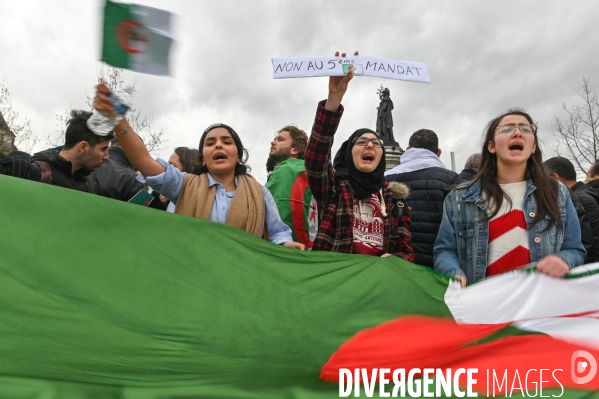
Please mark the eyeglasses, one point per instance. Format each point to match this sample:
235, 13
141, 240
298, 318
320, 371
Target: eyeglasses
363, 141
511, 128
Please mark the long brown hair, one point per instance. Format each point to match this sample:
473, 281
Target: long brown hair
546, 192
189, 158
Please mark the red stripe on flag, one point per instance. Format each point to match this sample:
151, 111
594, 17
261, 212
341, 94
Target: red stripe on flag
424, 342
505, 223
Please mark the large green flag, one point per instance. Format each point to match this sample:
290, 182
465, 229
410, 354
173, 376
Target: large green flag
104, 299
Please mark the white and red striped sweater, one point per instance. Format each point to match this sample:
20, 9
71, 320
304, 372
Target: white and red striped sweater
508, 236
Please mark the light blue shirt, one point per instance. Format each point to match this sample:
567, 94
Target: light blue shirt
170, 182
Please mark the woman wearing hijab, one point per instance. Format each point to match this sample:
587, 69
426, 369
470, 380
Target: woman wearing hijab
359, 212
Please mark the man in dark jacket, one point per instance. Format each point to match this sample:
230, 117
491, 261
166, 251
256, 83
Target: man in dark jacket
83, 151
586, 232
471, 167
593, 177
428, 180
563, 170
117, 178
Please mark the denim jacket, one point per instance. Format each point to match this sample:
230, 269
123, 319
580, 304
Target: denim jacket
463, 239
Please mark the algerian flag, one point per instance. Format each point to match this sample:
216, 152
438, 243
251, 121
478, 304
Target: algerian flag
104, 299
137, 38
509, 327
297, 207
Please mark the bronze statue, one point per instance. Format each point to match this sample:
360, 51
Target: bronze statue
384, 119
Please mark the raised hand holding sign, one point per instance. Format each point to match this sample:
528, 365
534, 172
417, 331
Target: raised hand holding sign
338, 86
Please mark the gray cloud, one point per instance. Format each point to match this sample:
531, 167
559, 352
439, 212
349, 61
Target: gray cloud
483, 57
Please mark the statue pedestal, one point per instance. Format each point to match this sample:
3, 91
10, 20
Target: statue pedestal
392, 154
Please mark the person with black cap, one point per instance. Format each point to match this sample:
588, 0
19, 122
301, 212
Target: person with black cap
359, 212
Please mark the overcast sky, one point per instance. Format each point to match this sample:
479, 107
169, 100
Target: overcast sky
483, 57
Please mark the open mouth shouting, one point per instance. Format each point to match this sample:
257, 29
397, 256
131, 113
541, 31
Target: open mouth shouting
220, 157
368, 161
516, 146
368, 158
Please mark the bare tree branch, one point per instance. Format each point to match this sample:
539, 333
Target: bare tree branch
142, 124
578, 132
56, 139
20, 127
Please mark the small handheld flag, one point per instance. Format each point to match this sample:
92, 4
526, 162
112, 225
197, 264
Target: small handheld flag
137, 38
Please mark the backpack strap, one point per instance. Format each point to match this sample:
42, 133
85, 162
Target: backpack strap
398, 207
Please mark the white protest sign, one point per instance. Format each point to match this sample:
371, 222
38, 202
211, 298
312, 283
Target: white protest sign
307, 67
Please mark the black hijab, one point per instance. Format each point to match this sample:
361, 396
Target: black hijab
364, 184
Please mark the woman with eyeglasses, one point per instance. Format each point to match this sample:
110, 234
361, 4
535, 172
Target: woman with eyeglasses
359, 212
511, 214
220, 189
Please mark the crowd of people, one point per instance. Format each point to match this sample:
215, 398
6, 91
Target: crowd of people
508, 208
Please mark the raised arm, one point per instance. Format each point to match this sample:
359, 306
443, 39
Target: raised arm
319, 169
130, 142
337, 88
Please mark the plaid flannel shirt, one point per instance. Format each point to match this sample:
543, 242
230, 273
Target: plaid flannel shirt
335, 198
